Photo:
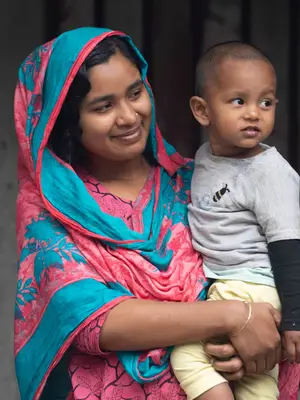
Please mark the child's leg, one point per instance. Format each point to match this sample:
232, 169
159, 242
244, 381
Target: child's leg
254, 387
221, 391
196, 375
192, 366
258, 387
193, 369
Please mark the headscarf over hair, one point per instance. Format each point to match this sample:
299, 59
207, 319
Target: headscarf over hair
76, 262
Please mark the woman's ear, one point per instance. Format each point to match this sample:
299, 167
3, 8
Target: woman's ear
199, 109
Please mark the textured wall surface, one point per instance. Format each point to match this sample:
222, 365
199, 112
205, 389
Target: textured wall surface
20, 32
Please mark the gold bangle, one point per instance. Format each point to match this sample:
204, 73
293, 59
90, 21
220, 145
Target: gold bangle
247, 320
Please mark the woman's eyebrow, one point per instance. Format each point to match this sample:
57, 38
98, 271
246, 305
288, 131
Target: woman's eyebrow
110, 97
100, 99
135, 85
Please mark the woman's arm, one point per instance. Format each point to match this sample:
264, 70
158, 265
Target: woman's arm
144, 324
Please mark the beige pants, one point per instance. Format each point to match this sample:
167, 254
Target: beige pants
192, 366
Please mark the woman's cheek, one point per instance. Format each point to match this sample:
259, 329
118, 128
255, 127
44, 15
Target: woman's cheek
145, 109
98, 126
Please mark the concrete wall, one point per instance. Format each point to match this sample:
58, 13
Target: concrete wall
20, 32
271, 35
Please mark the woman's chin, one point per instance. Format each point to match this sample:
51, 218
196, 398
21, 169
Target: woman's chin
128, 153
132, 151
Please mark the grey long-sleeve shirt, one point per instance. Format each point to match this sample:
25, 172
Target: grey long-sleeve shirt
238, 207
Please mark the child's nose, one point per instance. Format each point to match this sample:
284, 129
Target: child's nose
252, 113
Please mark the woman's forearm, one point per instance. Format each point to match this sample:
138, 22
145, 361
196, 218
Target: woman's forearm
145, 324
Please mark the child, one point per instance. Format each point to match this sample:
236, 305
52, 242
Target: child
244, 214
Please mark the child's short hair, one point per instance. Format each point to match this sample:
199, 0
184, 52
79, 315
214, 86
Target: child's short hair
215, 55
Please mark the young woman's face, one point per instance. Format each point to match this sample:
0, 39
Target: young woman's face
115, 116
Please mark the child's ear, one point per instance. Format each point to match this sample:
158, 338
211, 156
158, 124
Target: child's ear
199, 109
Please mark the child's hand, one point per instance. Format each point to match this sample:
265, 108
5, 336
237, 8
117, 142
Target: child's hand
291, 345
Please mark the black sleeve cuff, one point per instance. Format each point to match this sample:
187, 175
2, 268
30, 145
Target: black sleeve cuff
285, 260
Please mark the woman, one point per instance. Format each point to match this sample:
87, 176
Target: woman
108, 278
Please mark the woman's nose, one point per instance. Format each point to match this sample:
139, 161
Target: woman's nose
126, 115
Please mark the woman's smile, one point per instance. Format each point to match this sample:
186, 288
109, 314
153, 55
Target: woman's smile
129, 137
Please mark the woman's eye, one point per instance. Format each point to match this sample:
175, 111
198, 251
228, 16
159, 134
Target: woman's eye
266, 103
135, 94
238, 102
103, 109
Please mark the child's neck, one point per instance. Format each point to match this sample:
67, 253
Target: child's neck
235, 152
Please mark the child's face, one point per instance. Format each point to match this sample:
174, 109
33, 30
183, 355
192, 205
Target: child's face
240, 106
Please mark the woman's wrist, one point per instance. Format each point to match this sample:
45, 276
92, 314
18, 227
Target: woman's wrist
237, 316
221, 318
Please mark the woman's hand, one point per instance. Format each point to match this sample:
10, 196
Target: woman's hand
258, 343
225, 360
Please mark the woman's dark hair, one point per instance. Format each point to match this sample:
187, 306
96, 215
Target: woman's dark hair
64, 139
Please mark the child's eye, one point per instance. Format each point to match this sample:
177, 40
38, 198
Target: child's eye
266, 103
238, 101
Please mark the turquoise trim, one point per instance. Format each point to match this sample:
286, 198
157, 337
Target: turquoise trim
54, 175
58, 385
60, 184
66, 193
68, 308
65, 52
143, 371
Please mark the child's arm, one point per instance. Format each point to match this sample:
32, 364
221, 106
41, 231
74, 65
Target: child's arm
276, 204
285, 260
